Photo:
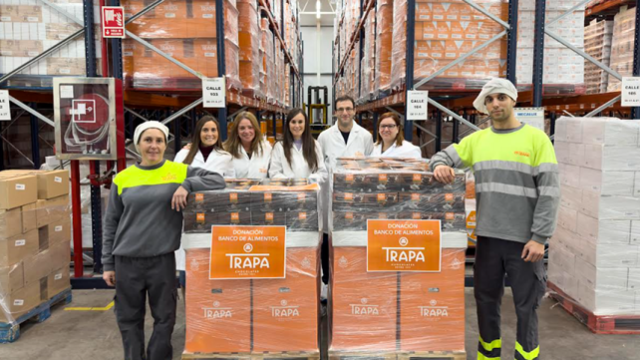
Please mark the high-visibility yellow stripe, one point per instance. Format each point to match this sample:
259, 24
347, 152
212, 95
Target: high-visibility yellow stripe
168, 173
108, 307
482, 357
489, 347
531, 355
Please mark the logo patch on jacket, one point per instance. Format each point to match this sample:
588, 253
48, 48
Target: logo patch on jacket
169, 177
522, 153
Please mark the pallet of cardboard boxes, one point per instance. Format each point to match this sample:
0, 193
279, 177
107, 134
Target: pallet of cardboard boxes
35, 238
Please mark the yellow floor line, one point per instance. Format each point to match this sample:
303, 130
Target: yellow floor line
108, 307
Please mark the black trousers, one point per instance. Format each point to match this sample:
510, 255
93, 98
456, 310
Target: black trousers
494, 259
135, 279
324, 257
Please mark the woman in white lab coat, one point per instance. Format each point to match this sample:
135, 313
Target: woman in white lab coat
205, 150
251, 152
391, 142
298, 155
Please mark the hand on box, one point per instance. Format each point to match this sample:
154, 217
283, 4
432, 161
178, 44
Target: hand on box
533, 251
444, 174
109, 277
179, 200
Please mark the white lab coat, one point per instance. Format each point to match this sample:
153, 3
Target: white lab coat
360, 143
255, 168
218, 161
406, 151
280, 167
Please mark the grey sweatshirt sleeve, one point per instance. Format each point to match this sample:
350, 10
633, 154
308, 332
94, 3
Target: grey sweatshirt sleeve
545, 215
200, 179
448, 156
111, 220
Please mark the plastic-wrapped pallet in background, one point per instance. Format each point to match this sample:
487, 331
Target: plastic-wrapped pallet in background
249, 43
35, 240
594, 253
185, 30
563, 68
254, 316
624, 26
597, 43
445, 31
32, 27
393, 312
384, 41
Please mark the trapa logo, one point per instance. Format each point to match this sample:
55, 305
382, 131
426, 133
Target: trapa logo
285, 310
434, 310
364, 308
404, 253
248, 260
217, 312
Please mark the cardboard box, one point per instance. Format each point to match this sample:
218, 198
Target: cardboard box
610, 132
20, 302
218, 312
18, 247
432, 309
58, 281
286, 311
54, 233
10, 223
364, 303
11, 278
17, 190
29, 217
60, 255
37, 266
51, 210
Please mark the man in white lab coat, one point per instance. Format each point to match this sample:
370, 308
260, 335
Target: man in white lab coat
344, 139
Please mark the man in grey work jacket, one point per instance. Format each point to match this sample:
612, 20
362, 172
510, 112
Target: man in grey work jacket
518, 194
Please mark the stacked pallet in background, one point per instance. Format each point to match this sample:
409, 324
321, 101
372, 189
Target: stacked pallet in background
384, 41
35, 239
369, 60
597, 43
268, 63
256, 316
445, 31
624, 25
594, 256
563, 68
364, 309
249, 43
185, 30
30, 27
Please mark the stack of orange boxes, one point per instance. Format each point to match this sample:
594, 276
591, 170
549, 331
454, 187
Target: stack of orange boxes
254, 316
185, 30
249, 43
445, 31
394, 312
384, 38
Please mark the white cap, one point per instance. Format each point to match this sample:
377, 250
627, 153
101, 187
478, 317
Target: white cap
495, 86
149, 125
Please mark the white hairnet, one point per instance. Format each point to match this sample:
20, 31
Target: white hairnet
149, 125
495, 86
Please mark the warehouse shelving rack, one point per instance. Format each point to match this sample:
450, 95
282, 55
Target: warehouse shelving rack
140, 105
456, 106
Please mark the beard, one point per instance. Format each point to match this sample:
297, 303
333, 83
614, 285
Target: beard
500, 117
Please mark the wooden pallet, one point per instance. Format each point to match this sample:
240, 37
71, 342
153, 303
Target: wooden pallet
10, 332
289, 355
400, 355
599, 324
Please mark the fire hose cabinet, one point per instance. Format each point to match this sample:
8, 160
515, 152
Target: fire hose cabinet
89, 118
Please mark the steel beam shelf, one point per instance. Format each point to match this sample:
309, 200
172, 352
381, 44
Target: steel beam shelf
276, 27
355, 36
605, 7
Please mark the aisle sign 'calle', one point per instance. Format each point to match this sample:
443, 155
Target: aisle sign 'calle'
214, 93
631, 91
404, 245
247, 252
5, 112
417, 103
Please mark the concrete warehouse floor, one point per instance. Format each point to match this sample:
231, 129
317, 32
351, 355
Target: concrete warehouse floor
76, 335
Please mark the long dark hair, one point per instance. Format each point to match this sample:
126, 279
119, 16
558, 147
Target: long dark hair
195, 138
308, 144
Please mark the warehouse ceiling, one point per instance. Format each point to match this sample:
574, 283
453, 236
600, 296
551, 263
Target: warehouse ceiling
308, 13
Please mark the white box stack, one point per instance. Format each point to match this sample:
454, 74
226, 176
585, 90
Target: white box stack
624, 26
561, 65
29, 27
597, 42
594, 254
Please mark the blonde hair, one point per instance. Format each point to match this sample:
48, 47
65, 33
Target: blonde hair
232, 145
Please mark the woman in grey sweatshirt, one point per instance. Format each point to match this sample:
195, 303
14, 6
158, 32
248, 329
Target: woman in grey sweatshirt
142, 229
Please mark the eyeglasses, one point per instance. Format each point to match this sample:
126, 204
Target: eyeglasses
388, 127
344, 109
